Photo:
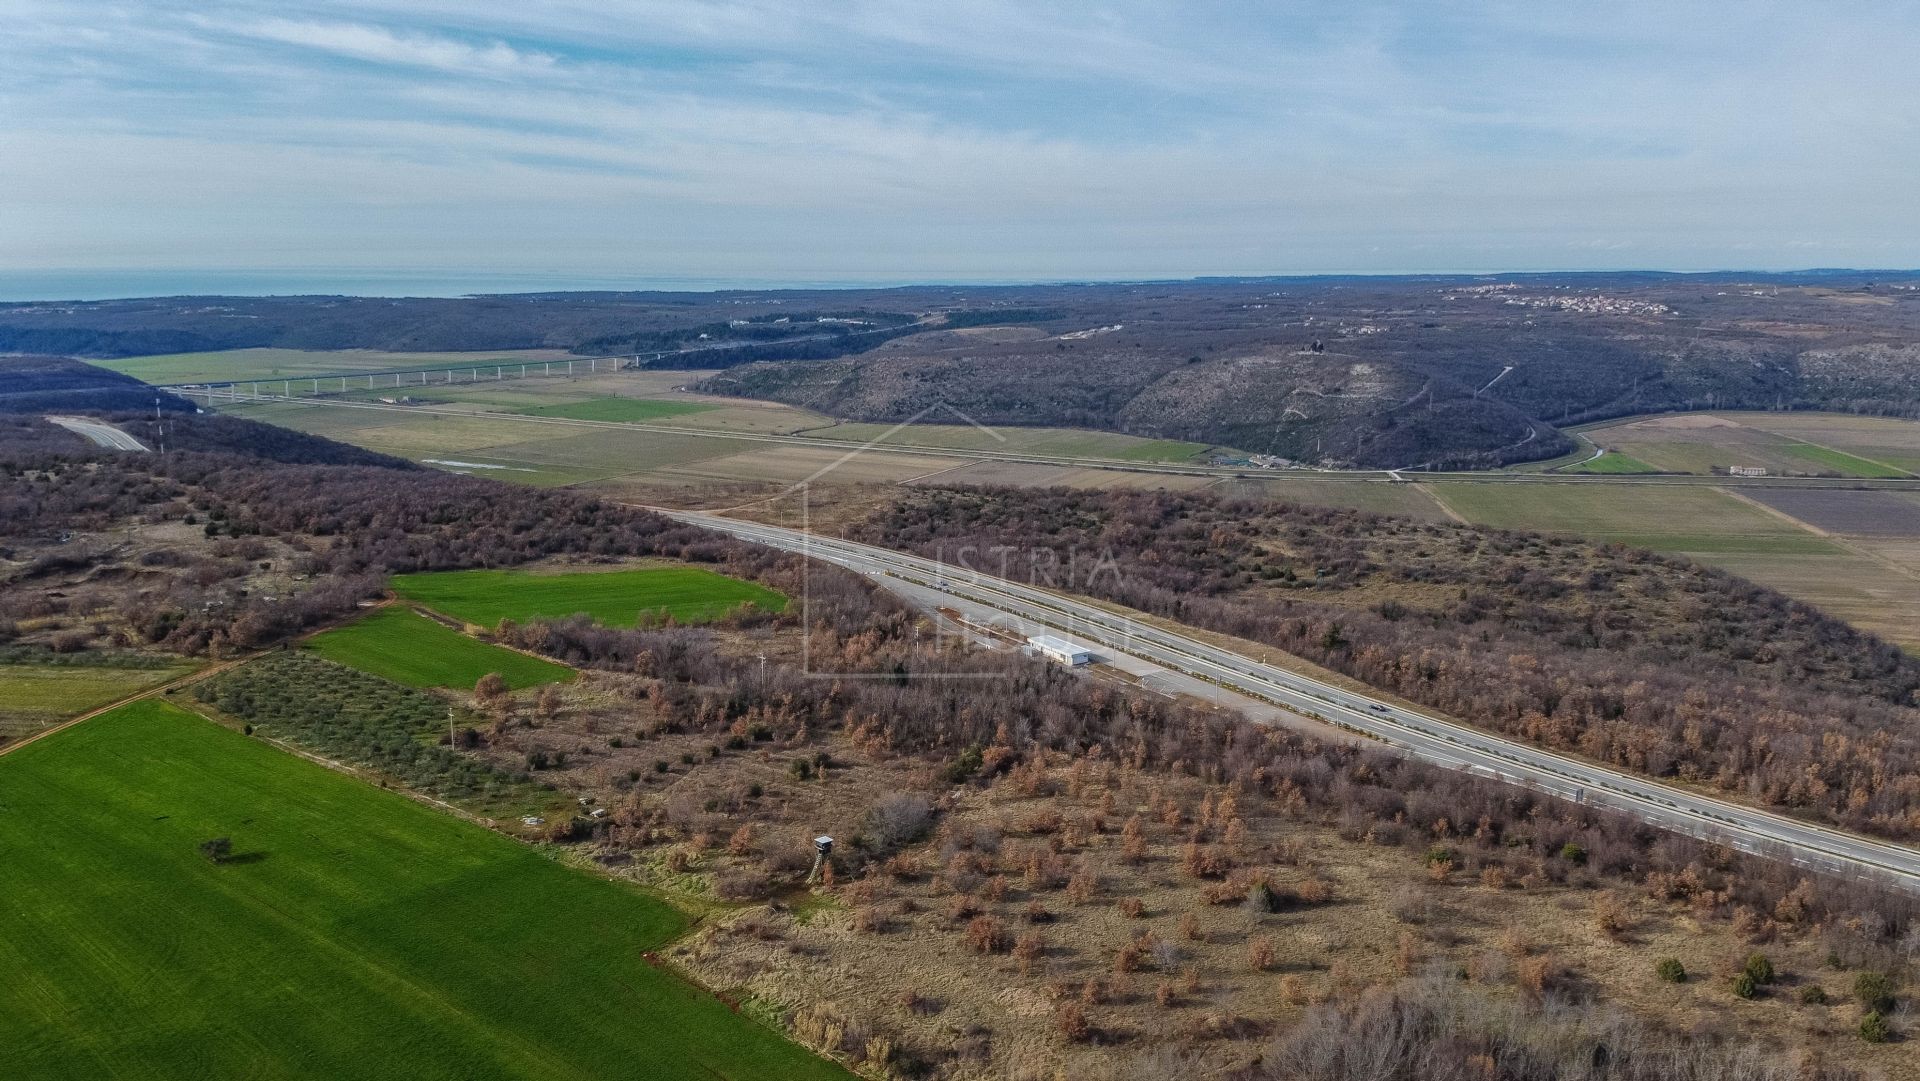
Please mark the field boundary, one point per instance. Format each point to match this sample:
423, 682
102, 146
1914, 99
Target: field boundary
189, 679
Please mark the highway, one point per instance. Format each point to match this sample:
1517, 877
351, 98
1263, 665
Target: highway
1418, 734
100, 432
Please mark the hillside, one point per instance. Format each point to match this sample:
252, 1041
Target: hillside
1394, 373
1412, 372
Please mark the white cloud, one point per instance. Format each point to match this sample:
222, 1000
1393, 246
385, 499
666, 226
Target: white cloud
379, 45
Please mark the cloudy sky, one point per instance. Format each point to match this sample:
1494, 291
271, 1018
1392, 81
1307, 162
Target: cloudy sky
959, 139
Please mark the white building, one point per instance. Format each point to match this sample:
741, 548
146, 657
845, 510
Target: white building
1068, 653
1746, 471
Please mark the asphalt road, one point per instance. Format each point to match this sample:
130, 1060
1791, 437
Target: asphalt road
100, 432
1418, 734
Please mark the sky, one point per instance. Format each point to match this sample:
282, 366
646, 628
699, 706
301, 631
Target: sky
963, 140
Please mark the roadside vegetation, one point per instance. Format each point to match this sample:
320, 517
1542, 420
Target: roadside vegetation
1644, 662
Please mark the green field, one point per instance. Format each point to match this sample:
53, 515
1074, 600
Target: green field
1668, 517
402, 645
1841, 462
1611, 462
357, 935
614, 598
33, 696
625, 410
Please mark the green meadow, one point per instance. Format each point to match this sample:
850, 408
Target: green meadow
354, 934
402, 645
614, 598
625, 410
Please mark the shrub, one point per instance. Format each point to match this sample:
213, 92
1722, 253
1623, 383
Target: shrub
1071, 1020
1874, 990
899, 818
988, 935
1874, 1027
1745, 986
1260, 898
217, 850
1610, 915
741, 843
1260, 953
1573, 854
1671, 970
1813, 995
1760, 968
1028, 948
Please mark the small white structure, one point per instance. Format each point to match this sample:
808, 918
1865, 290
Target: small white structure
533, 820
1746, 471
597, 812
1068, 653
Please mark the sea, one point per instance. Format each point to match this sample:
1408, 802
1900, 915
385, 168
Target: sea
56, 285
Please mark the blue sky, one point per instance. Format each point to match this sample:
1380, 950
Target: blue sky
966, 139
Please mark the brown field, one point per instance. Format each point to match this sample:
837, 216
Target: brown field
1033, 475
790, 465
1835, 510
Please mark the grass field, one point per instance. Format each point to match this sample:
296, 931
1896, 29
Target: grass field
615, 598
33, 696
229, 364
1063, 442
402, 645
625, 410
358, 934
1839, 461
1781, 443
1611, 462
1675, 515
